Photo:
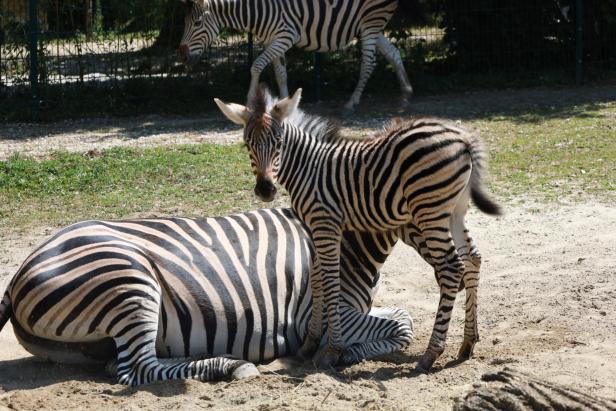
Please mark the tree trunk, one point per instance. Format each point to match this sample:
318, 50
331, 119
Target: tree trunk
173, 26
516, 391
89, 14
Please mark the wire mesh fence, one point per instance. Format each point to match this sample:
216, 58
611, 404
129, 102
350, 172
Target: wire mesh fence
63, 58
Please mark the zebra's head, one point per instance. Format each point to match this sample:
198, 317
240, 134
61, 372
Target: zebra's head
200, 29
263, 135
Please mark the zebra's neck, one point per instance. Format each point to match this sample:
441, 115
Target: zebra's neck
297, 158
233, 14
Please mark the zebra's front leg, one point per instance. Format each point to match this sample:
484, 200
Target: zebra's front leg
315, 325
274, 50
327, 237
280, 70
368, 61
449, 269
381, 331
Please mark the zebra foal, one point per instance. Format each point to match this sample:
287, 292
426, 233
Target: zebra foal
419, 173
313, 25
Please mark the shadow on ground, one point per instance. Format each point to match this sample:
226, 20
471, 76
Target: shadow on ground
521, 106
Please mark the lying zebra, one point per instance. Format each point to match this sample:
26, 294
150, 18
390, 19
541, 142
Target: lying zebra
418, 174
174, 298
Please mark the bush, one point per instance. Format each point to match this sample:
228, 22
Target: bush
506, 34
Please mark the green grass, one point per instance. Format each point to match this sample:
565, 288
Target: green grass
182, 180
572, 157
543, 150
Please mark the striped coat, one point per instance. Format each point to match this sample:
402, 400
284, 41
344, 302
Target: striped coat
170, 298
419, 173
315, 25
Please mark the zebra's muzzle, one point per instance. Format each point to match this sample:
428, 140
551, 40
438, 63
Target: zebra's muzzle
265, 190
186, 57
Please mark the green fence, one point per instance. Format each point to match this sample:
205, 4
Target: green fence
69, 58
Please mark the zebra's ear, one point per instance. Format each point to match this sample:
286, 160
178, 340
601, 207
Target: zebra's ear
234, 112
285, 107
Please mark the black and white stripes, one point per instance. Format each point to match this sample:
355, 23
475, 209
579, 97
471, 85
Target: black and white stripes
316, 25
416, 175
174, 297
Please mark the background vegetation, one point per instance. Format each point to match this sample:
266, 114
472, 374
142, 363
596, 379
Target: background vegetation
118, 57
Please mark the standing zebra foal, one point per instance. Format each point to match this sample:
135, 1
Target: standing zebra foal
419, 173
326, 25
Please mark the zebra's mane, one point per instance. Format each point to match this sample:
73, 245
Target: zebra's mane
319, 127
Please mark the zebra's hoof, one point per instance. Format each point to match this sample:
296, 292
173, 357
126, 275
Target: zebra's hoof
111, 368
308, 348
466, 350
425, 363
244, 371
327, 357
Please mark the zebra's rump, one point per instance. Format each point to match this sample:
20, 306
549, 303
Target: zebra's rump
225, 285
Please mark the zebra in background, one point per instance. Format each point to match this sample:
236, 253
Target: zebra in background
174, 298
313, 25
420, 172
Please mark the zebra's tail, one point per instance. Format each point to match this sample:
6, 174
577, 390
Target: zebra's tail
480, 198
5, 310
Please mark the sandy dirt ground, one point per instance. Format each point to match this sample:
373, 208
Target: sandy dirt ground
547, 294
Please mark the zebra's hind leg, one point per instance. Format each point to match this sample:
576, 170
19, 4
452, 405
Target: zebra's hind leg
449, 269
382, 331
392, 54
368, 61
137, 362
280, 70
472, 262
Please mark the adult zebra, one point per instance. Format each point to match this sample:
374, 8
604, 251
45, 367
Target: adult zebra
170, 298
419, 173
314, 25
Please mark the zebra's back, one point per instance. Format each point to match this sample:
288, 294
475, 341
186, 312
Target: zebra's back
226, 285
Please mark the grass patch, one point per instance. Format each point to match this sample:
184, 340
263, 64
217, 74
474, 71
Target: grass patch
552, 158
179, 180
543, 153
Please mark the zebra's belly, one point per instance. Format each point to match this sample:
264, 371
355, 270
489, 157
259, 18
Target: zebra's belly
324, 44
245, 341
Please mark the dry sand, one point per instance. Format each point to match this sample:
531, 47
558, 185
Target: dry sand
547, 296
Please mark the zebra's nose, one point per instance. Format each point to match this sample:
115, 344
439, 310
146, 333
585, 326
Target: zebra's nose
184, 52
265, 190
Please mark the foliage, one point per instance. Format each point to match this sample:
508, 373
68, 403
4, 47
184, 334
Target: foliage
200, 179
507, 34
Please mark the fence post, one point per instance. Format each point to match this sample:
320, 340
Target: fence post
579, 42
33, 51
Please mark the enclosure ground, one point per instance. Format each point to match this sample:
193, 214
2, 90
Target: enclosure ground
546, 306
547, 288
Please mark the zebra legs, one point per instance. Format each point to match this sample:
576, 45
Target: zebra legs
327, 237
381, 331
392, 54
368, 61
280, 70
472, 263
275, 50
315, 325
137, 362
449, 269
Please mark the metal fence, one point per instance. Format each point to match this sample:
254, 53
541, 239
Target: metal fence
71, 57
